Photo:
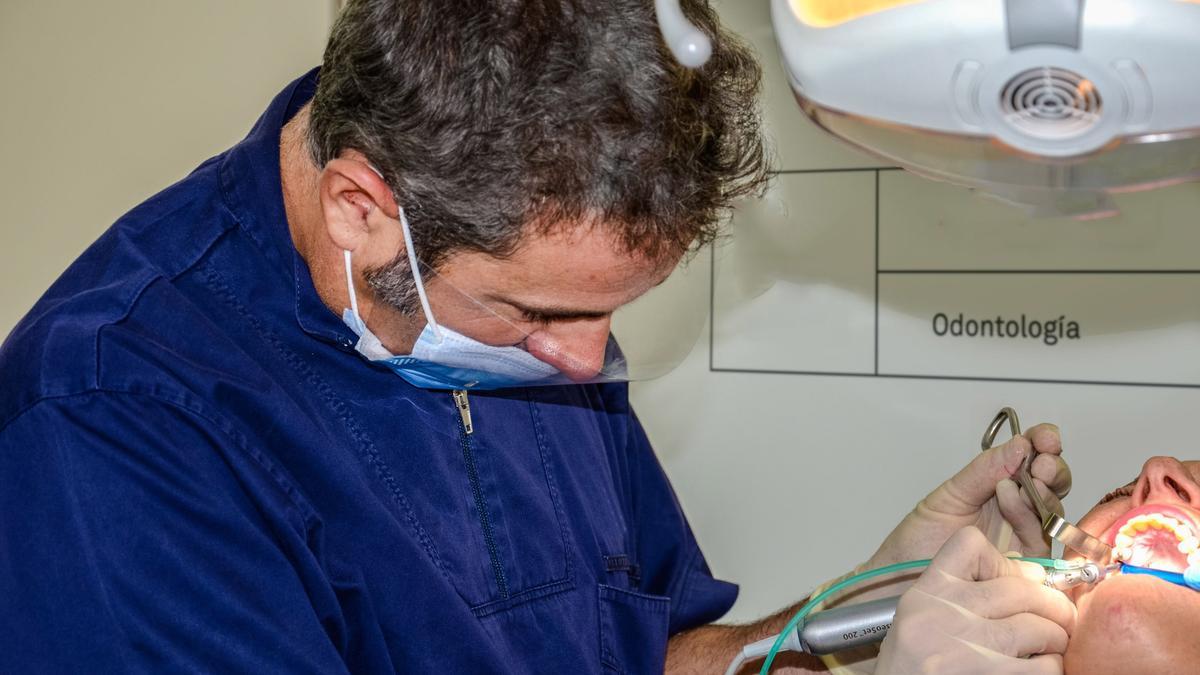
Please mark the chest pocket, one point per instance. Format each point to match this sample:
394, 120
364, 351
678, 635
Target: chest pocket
634, 628
511, 545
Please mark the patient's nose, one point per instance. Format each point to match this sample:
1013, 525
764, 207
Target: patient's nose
1164, 479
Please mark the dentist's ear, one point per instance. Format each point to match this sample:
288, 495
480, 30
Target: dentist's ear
352, 196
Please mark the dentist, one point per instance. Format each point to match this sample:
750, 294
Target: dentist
345, 398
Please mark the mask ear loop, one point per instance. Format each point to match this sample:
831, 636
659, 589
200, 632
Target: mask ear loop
412, 263
350, 286
416, 272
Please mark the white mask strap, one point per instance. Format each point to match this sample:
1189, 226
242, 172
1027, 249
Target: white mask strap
347, 256
413, 265
350, 286
416, 272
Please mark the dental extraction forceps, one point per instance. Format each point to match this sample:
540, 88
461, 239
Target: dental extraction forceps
1054, 525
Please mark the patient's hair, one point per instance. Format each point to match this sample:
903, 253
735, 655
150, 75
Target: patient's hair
489, 116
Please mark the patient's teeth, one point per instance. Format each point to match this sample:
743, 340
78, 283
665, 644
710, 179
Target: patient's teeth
1188, 545
1159, 521
1194, 558
1154, 521
1123, 553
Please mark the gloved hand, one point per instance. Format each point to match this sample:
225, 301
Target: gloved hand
975, 611
984, 495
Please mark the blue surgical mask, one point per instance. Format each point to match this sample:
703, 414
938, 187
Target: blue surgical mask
442, 358
454, 362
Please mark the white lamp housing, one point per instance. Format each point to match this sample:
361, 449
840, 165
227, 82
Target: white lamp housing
1050, 103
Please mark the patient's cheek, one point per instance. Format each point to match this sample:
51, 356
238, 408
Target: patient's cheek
1134, 625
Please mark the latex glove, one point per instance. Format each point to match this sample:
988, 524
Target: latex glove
983, 495
975, 611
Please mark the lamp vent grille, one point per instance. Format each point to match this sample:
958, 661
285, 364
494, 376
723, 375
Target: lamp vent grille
1051, 103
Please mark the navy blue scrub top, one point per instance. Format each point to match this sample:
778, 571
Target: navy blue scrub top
198, 473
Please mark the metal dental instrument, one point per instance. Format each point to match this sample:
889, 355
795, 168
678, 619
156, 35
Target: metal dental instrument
1054, 525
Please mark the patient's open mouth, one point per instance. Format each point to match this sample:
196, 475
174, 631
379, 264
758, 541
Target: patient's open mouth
1156, 535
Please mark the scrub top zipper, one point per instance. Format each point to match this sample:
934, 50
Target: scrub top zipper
481, 507
464, 410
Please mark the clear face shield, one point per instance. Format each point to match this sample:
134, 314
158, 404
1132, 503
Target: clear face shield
475, 340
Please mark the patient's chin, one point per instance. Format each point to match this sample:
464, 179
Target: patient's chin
1135, 624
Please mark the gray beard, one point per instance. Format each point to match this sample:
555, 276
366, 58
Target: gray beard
394, 284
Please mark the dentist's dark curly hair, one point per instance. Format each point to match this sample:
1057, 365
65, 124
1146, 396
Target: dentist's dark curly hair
488, 117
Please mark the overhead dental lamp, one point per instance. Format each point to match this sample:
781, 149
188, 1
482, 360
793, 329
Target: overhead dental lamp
1054, 104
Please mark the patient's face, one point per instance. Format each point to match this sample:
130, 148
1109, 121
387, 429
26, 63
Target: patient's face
1136, 624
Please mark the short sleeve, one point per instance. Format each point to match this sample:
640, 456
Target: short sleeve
130, 543
671, 561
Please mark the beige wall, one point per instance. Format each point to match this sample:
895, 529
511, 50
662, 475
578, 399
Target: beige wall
104, 103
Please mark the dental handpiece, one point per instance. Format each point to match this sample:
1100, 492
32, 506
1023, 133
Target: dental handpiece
836, 630
1088, 573
842, 628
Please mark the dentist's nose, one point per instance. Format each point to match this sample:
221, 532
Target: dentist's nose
576, 348
1164, 479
